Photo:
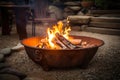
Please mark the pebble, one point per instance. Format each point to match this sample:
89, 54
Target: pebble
8, 77
5, 51
13, 72
1, 57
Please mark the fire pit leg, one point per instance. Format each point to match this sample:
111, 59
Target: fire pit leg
44, 65
84, 66
46, 68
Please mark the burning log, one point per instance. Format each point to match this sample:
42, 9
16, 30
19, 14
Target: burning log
40, 45
65, 41
76, 41
59, 43
43, 44
57, 39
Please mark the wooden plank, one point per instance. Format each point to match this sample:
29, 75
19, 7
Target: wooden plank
102, 30
105, 25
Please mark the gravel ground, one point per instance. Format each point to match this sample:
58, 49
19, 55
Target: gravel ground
104, 66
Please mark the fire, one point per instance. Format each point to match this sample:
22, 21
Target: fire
51, 34
57, 29
58, 38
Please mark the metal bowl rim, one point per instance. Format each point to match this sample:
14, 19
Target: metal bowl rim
102, 43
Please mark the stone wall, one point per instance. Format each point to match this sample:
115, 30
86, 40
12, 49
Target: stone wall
61, 10
102, 21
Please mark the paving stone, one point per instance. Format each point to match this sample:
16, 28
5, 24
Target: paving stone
106, 19
3, 65
79, 19
101, 12
13, 72
102, 30
5, 51
109, 25
1, 57
8, 77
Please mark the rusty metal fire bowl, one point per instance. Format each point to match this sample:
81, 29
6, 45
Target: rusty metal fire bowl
65, 58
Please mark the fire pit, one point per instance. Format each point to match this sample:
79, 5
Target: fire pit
77, 51
49, 58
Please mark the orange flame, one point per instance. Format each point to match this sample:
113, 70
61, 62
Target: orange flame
57, 29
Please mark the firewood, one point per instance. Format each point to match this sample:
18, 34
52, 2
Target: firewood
65, 41
76, 41
59, 43
39, 45
43, 44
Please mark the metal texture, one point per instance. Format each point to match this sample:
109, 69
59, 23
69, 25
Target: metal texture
65, 58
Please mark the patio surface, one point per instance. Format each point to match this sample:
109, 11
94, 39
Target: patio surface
104, 66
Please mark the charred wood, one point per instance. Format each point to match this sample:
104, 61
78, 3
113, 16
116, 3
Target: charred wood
65, 41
